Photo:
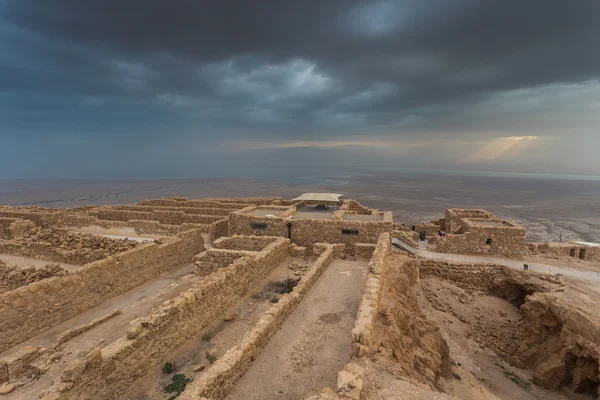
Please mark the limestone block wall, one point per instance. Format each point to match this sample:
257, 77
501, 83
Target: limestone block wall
508, 242
151, 338
211, 260
61, 246
29, 310
218, 212
364, 326
358, 208
432, 227
219, 228
363, 250
239, 242
247, 224
468, 276
307, 232
217, 382
141, 227
566, 250
163, 217
5, 227
39, 215
236, 202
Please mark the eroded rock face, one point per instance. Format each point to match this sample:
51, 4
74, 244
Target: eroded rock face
415, 343
562, 343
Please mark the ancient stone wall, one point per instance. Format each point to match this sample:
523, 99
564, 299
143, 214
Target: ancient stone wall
364, 325
61, 246
31, 309
211, 260
149, 339
307, 232
247, 224
468, 276
220, 379
508, 242
207, 211
363, 250
12, 277
234, 202
358, 208
238, 242
565, 251
163, 217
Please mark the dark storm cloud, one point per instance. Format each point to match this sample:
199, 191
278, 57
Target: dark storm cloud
293, 66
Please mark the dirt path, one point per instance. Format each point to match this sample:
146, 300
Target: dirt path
533, 266
313, 343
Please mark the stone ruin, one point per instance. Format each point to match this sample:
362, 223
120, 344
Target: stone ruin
475, 232
215, 255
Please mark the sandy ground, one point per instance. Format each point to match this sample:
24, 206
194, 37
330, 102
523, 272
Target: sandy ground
26, 262
136, 302
313, 343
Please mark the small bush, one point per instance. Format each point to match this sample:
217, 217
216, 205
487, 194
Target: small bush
177, 385
211, 356
168, 368
255, 296
206, 337
274, 300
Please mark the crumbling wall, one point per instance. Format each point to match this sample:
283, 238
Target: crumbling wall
31, 309
13, 277
149, 339
402, 333
61, 246
364, 325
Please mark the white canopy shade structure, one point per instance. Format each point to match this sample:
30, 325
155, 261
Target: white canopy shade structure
322, 198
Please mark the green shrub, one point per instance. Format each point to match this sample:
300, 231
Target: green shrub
177, 385
168, 368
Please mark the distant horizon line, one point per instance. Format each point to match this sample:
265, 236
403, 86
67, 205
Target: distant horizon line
445, 171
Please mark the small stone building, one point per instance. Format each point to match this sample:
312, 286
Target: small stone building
314, 218
476, 232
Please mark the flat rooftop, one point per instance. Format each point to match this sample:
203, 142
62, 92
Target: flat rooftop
314, 212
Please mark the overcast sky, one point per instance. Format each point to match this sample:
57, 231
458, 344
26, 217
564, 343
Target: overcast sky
160, 88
